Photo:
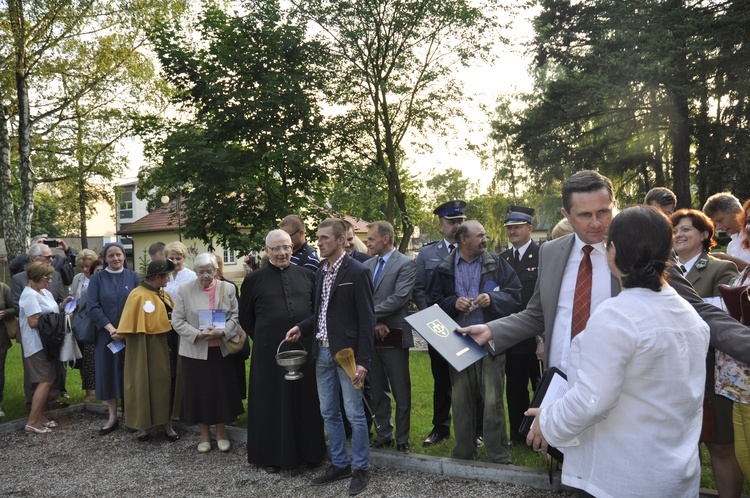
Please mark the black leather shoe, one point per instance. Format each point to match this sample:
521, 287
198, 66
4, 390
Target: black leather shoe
272, 469
333, 473
172, 437
359, 482
381, 443
403, 448
434, 438
104, 431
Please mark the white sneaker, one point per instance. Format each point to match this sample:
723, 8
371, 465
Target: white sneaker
2, 413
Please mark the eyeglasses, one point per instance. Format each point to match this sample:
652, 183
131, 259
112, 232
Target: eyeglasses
205, 272
278, 249
48, 278
48, 258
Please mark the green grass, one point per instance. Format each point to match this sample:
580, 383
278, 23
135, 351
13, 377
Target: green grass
421, 420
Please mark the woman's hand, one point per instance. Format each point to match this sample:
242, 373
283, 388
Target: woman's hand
117, 337
210, 333
534, 438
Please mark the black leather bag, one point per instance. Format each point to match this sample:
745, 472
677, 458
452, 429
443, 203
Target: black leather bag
84, 329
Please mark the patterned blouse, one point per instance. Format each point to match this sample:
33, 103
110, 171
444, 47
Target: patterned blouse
733, 375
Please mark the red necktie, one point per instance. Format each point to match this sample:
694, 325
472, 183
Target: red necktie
582, 295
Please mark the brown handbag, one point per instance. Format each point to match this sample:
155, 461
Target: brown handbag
236, 343
737, 302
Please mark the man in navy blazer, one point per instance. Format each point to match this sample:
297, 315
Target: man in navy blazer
344, 318
394, 275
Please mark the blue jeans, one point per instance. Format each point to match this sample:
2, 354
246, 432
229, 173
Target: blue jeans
332, 379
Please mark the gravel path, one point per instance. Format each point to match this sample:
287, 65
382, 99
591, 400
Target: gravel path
74, 461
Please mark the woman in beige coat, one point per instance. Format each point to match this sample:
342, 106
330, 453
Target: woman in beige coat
205, 315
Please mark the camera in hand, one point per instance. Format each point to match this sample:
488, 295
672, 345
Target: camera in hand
50, 243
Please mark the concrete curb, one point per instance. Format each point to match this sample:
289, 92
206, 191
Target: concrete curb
440, 466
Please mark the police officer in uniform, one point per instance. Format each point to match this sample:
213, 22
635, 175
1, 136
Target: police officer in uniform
450, 215
522, 364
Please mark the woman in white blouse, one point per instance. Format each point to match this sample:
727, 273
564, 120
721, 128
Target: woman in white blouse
631, 420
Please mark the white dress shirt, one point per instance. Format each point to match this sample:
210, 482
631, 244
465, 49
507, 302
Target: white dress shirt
183, 276
735, 248
632, 417
601, 289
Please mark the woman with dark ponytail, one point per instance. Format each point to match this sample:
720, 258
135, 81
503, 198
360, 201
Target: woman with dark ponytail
636, 377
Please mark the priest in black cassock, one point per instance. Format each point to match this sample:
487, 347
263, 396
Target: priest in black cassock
284, 426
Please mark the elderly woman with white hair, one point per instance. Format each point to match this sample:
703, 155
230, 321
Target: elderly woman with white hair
205, 315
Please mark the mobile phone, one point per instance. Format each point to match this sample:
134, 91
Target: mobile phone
50, 243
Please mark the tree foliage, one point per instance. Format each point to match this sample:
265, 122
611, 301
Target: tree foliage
249, 144
392, 65
651, 93
65, 66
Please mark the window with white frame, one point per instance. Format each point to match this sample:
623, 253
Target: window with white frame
230, 257
125, 205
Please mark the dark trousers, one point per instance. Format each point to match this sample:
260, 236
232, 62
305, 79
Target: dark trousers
519, 370
441, 395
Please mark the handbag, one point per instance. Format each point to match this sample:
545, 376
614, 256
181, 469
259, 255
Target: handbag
11, 323
737, 302
237, 343
69, 351
84, 329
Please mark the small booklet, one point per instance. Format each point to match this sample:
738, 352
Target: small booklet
116, 346
212, 318
71, 306
552, 386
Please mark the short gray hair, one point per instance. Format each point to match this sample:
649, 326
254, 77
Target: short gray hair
274, 233
35, 250
205, 259
723, 201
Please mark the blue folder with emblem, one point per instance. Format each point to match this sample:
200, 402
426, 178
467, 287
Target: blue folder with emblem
439, 330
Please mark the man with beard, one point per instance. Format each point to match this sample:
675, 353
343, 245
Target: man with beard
284, 426
473, 286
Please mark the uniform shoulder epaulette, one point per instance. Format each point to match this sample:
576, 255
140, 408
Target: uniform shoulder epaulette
430, 243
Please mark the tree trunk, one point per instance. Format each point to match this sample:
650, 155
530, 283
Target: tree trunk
6, 193
18, 228
81, 182
680, 131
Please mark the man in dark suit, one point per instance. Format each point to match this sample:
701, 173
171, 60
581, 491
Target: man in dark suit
521, 362
393, 281
450, 215
588, 203
473, 286
41, 252
344, 318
